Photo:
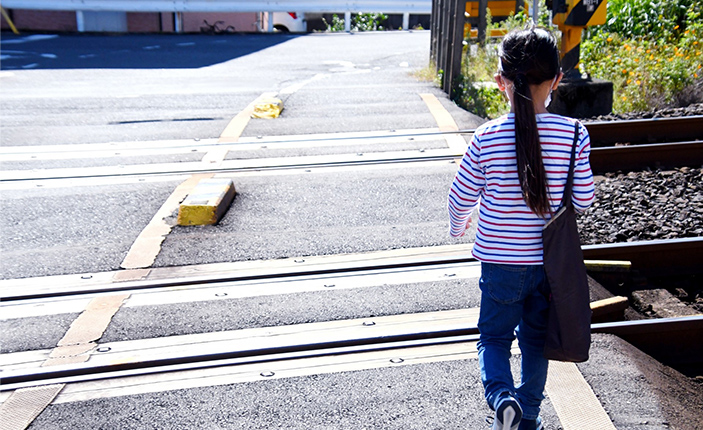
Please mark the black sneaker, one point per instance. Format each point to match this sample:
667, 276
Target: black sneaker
508, 413
535, 424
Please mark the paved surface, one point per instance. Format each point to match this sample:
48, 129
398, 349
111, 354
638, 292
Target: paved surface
133, 91
440, 395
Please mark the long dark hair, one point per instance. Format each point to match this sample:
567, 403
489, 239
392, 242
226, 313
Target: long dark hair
529, 57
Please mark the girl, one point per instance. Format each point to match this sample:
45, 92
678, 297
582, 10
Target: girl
515, 170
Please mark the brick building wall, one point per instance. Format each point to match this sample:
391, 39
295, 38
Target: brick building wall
242, 22
137, 22
144, 22
41, 20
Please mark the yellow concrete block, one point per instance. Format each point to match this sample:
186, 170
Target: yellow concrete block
267, 108
208, 201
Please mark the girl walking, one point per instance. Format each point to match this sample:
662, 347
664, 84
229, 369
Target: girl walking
515, 170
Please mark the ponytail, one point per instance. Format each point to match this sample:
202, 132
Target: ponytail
530, 169
529, 57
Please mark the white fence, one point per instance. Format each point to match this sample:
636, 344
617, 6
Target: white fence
405, 7
321, 6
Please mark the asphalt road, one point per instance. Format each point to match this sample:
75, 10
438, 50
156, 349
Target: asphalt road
134, 90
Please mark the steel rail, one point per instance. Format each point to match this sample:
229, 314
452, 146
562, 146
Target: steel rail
653, 257
13, 379
197, 167
648, 257
640, 157
624, 158
675, 341
658, 336
602, 134
653, 130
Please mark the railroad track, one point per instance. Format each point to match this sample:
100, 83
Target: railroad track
643, 131
683, 147
649, 258
675, 341
670, 340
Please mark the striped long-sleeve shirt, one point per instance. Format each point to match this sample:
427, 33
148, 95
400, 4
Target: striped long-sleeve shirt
508, 232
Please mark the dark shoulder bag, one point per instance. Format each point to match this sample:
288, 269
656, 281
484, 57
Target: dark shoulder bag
569, 323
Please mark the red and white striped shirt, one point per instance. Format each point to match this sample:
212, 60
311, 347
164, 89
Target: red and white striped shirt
508, 231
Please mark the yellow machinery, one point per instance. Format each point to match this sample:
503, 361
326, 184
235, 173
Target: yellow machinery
572, 16
499, 9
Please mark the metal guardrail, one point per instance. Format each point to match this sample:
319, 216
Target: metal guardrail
320, 6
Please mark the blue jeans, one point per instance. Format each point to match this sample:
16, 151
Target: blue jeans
513, 300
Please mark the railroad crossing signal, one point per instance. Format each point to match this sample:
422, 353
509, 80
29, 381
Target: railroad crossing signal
572, 16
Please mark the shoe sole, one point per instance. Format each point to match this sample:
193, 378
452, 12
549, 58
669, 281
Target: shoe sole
511, 416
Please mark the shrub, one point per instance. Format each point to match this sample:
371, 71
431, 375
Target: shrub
652, 51
477, 91
652, 60
359, 22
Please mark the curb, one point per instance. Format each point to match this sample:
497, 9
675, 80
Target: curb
207, 203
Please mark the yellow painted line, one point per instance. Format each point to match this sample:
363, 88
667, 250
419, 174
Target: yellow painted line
235, 127
208, 201
147, 246
446, 123
9, 21
234, 130
86, 330
25, 404
575, 402
130, 275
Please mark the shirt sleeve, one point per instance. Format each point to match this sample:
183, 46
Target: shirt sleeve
466, 189
583, 189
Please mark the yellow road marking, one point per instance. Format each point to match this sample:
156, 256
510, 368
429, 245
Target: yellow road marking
147, 246
233, 131
25, 404
235, 127
446, 123
577, 406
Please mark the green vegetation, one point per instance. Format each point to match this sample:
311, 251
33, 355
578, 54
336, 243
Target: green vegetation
359, 22
650, 49
478, 92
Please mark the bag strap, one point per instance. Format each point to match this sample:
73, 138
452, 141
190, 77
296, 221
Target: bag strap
566, 197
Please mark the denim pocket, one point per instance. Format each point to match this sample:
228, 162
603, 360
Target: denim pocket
503, 282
